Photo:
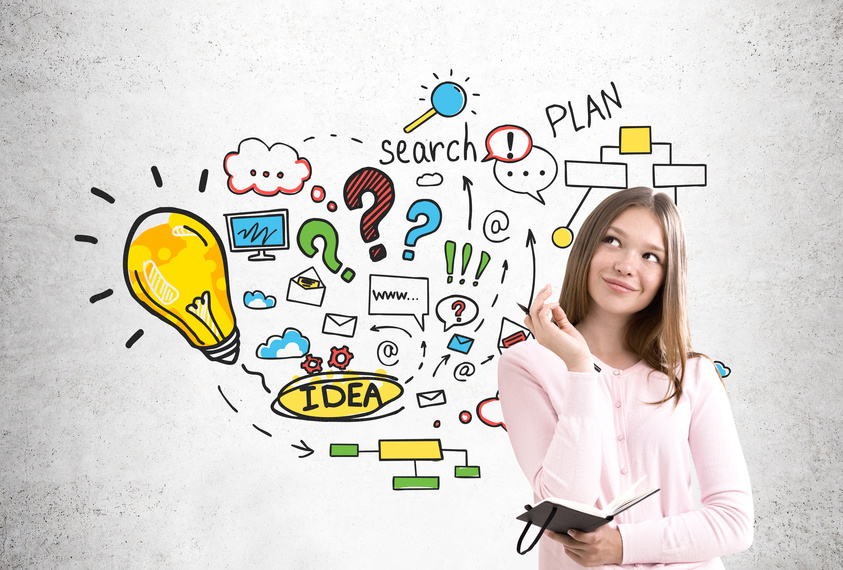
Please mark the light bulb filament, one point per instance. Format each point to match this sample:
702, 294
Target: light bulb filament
174, 316
163, 291
201, 309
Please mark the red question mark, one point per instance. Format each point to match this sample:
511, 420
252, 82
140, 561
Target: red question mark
370, 179
459, 306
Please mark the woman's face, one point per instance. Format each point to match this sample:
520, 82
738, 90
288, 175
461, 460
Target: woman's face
627, 268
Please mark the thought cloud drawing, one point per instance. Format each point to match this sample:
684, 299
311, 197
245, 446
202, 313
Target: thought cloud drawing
490, 413
431, 179
257, 300
267, 170
291, 344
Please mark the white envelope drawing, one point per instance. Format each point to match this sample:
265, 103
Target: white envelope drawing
306, 288
431, 398
340, 325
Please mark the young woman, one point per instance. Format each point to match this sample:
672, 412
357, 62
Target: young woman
586, 436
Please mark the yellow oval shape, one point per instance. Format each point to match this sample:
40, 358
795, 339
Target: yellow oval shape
338, 396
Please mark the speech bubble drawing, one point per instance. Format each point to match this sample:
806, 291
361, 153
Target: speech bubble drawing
490, 413
399, 295
456, 311
265, 169
530, 175
508, 143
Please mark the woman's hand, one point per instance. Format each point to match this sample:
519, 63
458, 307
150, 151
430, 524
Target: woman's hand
603, 546
560, 336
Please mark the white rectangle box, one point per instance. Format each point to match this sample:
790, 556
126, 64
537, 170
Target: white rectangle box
595, 174
673, 175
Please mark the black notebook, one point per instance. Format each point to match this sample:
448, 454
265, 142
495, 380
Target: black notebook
560, 515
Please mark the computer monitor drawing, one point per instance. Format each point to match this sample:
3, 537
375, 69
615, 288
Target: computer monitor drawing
258, 232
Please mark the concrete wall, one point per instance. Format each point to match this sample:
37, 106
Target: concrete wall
136, 457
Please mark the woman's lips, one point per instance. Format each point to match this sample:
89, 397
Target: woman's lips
618, 286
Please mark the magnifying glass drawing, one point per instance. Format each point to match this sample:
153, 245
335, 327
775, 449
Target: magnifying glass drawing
448, 100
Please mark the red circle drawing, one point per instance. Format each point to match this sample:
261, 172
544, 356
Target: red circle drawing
465, 416
317, 193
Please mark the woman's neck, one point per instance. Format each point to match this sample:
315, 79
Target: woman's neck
605, 335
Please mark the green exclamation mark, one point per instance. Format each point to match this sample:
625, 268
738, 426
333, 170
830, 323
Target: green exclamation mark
450, 250
466, 257
484, 261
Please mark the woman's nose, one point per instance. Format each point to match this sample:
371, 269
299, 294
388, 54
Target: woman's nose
625, 263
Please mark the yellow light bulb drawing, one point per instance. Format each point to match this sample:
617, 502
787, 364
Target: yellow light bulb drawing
175, 268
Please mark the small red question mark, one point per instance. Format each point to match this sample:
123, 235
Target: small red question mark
370, 179
459, 307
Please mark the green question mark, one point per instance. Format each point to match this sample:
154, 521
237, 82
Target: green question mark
313, 228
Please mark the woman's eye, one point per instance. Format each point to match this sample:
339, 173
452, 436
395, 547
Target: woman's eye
611, 240
651, 257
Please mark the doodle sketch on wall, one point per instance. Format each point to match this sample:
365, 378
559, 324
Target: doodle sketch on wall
179, 269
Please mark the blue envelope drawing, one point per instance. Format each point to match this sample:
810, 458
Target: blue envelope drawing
459, 343
340, 325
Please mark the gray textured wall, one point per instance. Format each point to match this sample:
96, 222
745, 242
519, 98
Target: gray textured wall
116, 457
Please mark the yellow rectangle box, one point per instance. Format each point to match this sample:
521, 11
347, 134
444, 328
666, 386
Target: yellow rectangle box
635, 140
410, 449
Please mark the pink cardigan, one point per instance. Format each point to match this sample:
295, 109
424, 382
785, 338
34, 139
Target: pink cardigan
588, 436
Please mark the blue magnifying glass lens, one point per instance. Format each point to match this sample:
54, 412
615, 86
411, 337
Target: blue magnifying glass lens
448, 99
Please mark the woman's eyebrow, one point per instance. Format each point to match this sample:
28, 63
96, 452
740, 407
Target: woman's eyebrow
646, 245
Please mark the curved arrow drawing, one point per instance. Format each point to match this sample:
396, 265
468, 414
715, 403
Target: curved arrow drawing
303, 447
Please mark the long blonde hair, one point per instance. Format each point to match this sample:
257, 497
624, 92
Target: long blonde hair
659, 334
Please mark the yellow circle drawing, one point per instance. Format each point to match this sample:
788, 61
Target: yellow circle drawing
562, 237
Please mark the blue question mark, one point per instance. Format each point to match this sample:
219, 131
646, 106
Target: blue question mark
431, 211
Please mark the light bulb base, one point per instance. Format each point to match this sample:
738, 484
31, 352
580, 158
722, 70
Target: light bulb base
227, 351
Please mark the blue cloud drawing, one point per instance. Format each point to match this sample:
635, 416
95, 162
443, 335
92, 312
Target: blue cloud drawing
291, 344
257, 300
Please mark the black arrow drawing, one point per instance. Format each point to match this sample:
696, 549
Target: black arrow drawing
466, 186
505, 268
303, 447
531, 243
380, 328
445, 359
424, 349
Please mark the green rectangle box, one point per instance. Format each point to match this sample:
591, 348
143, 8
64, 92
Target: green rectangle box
467, 472
344, 450
415, 483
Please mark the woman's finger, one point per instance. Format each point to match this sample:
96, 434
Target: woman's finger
539, 299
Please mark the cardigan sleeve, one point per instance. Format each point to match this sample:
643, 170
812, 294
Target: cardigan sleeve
723, 525
551, 417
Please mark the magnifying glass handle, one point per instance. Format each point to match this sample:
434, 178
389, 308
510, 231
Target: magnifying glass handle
419, 121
